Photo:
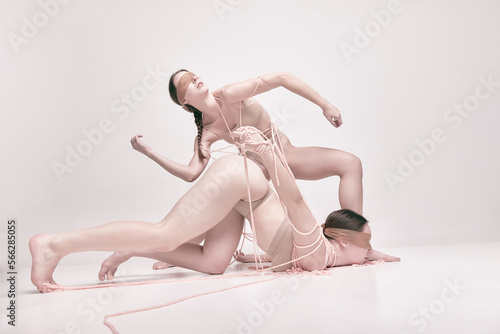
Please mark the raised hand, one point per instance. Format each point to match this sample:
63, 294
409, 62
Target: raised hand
332, 114
139, 146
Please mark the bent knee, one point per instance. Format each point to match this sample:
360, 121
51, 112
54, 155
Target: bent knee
219, 270
352, 166
215, 266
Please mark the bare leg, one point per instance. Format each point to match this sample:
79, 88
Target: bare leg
306, 231
200, 209
313, 163
212, 258
163, 265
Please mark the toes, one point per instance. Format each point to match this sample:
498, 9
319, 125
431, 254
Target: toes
106, 273
161, 265
102, 275
50, 287
47, 288
111, 274
102, 272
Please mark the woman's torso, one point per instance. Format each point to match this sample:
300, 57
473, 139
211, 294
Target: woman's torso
268, 218
251, 112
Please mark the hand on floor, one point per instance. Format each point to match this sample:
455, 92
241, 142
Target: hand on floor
374, 255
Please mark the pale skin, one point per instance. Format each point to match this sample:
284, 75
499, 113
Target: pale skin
308, 163
187, 220
222, 240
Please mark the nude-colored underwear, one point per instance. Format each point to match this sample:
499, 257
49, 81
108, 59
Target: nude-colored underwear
243, 207
281, 247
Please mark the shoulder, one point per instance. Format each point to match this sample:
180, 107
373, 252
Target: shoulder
224, 95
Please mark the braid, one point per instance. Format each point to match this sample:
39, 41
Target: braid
198, 116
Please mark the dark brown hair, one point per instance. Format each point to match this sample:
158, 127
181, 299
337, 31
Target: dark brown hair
345, 219
198, 115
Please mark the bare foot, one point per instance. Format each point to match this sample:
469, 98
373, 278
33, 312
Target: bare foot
161, 265
110, 265
44, 260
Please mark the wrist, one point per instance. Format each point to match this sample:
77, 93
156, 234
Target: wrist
325, 105
148, 152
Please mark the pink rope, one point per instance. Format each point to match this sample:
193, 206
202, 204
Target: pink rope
114, 331
274, 140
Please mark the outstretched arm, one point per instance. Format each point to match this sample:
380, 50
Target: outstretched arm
248, 88
188, 173
374, 255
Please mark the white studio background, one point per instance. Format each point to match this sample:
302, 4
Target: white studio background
399, 71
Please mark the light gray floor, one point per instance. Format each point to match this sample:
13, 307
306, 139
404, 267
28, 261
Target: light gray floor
435, 289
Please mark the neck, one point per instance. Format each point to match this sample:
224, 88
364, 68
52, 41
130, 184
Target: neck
340, 255
209, 107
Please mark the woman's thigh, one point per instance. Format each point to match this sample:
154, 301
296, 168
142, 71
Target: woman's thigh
313, 163
212, 198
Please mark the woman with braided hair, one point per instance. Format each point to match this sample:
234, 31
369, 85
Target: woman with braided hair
219, 112
292, 236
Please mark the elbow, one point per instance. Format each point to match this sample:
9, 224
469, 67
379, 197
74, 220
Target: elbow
188, 175
191, 177
284, 76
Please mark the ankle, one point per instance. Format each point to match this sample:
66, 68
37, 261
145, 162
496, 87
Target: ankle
55, 244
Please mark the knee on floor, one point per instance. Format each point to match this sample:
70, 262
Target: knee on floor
217, 269
217, 265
